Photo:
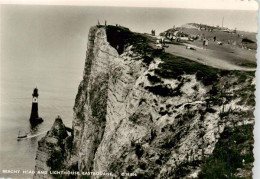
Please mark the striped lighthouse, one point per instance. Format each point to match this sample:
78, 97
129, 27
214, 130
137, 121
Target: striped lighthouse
34, 118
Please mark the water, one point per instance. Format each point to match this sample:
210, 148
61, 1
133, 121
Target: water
45, 46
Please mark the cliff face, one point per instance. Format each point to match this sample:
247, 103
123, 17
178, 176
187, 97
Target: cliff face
51, 149
138, 112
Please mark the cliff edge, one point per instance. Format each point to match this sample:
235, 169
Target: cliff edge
142, 113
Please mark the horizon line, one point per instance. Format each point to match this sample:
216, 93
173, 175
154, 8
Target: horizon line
250, 5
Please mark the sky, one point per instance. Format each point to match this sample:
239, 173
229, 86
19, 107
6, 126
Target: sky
195, 4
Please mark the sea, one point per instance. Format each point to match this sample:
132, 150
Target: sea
45, 47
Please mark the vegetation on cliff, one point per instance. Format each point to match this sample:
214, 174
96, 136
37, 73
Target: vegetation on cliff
173, 66
58, 143
233, 155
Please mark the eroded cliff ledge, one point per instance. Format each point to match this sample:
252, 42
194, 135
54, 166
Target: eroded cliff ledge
142, 111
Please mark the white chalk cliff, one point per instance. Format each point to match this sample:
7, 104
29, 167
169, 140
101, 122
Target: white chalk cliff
125, 122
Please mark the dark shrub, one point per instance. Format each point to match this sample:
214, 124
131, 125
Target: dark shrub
153, 79
55, 160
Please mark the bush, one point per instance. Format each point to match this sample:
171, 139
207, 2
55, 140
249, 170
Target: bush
227, 153
153, 79
164, 91
139, 150
134, 118
173, 67
210, 110
120, 38
55, 160
147, 60
246, 40
69, 142
248, 64
161, 90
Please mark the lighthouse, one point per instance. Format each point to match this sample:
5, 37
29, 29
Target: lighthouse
34, 118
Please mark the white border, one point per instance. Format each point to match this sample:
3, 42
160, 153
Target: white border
256, 169
197, 4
